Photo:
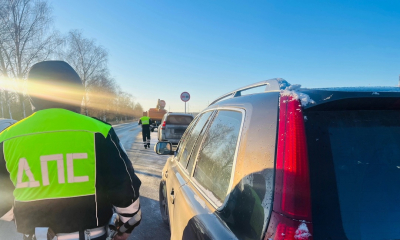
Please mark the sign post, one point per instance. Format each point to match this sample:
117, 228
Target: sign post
185, 96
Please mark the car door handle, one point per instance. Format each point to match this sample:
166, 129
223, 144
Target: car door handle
172, 196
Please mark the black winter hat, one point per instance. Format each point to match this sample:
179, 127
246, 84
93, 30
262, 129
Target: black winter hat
55, 84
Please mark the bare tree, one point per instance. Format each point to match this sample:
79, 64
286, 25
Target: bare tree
25, 39
103, 98
137, 110
88, 59
124, 105
4, 64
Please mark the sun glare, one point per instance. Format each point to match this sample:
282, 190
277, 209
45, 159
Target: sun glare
64, 93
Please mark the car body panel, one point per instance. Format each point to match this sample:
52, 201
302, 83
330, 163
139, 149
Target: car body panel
246, 212
172, 176
194, 207
196, 218
173, 180
248, 182
182, 214
254, 173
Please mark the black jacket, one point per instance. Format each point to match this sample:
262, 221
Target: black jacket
117, 187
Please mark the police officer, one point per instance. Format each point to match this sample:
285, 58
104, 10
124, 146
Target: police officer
62, 170
145, 122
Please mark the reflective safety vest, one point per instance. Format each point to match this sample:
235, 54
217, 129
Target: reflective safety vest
64, 170
145, 120
65, 167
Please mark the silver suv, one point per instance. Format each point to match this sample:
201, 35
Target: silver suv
287, 163
172, 127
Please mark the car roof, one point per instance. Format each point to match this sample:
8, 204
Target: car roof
316, 95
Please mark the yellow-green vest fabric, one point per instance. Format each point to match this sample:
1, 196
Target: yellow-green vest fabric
59, 162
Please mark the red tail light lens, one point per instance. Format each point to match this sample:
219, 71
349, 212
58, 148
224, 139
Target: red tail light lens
292, 198
164, 124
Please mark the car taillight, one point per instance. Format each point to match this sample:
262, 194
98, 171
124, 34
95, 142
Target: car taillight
291, 216
283, 228
163, 125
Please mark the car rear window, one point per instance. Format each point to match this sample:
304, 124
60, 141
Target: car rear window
354, 159
179, 120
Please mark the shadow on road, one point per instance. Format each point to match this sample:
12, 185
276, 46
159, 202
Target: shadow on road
152, 226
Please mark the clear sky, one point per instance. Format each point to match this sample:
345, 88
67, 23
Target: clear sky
159, 49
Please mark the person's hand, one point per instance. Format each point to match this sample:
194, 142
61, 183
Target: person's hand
123, 236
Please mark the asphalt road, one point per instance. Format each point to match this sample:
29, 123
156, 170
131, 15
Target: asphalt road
148, 166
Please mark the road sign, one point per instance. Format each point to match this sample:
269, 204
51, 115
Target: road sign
185, 96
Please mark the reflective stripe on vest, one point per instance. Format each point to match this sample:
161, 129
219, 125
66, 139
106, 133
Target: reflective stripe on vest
51, 154
145, 120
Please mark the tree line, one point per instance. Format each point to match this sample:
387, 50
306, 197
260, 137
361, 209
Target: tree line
27, 36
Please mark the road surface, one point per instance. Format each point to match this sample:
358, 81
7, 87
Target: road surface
148, 166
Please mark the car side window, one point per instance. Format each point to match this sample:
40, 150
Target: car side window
196, 146
196, 130
216, 155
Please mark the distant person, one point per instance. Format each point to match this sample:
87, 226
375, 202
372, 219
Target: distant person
63, 170
145, 122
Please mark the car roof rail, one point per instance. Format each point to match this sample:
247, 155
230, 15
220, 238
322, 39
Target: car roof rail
275, 84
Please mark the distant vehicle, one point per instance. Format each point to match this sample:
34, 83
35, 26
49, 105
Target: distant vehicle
4, 123
173, 126
287, 163
156, 114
